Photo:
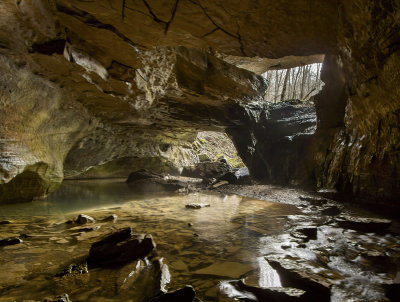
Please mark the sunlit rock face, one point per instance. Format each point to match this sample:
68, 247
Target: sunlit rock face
88, 86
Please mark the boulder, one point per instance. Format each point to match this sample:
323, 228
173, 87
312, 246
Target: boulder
83, 219
10, 241
363, 224
112, 218
305, 232
120, 248
207, 170
185, 294
239, 177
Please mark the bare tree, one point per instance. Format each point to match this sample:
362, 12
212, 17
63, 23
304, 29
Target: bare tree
293, 83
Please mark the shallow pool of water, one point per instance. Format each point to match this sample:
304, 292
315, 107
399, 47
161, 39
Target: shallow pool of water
201, 247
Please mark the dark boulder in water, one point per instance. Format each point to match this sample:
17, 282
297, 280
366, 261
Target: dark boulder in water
120, 248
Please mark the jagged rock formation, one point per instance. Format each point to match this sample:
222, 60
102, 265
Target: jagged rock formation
106, 83
276, 143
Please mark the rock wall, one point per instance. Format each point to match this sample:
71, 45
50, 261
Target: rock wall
363, 156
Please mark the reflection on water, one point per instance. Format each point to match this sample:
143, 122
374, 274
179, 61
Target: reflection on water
225, 240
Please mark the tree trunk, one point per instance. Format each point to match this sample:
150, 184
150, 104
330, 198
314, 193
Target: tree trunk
285, 84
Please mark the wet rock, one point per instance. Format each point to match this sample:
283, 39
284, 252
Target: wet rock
95, 228
314, 200
112, 218
129, 274
363, 224
61, 298
74, 270
306, 275
120, 248
271, 294
83, 219
162, 275
307, 232
190, 224
197, 205
185, 294
331, 211
10, 241
152, 280
5, 222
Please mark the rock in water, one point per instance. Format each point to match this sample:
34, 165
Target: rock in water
83, 219
197, 205
120, 248
272, 294
185, 294
10, 241
306, 275
112, 218
363, 224
309, 232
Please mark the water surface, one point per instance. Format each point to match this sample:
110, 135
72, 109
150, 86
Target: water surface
224, 241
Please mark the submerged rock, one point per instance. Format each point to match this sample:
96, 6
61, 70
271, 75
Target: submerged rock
120, 248
363, 224
10, 241
83, 219
197, 205
185, 294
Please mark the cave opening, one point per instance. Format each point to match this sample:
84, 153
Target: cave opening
300, 83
